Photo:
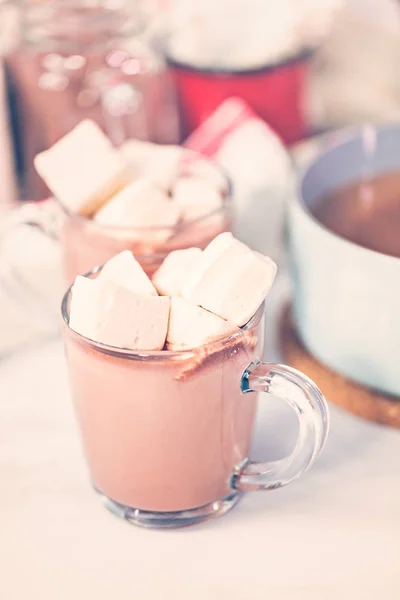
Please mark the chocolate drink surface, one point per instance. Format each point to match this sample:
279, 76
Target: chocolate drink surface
366, 212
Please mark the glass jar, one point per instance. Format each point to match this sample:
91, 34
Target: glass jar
77, 59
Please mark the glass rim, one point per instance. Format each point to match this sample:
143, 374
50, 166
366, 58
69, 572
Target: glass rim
226, 207
151, 354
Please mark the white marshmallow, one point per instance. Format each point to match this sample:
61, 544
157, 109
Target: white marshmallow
111, 314
230, 280
169, 278
191, 326
207, 170
123, 269
141, 205
83, 308
82, 169
197, 197
138, 155
214, 249
160, 163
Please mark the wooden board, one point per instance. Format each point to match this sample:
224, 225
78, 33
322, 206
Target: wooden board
355, 398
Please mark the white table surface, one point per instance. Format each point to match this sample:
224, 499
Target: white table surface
333, 534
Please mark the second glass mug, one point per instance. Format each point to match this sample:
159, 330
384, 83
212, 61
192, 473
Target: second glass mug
167, 434
85, 242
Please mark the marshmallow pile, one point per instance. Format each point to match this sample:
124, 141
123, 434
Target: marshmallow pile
246, 34
139, 185
195, 298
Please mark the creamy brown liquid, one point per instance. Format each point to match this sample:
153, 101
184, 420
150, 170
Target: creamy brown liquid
365, 212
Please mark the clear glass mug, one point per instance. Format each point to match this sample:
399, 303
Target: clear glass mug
167, 434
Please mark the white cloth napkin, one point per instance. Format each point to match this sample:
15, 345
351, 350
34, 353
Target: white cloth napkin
31, 286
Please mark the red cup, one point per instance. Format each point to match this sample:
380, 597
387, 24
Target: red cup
275, 92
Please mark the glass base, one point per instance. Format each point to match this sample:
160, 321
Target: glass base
171, 520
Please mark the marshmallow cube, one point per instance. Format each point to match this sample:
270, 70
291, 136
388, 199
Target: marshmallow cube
83, 170
159, 163
207, 170
230, 280
124, 270
197, 197
214, 249
169, 277
141, 205
114, 315
191, 326
83, 308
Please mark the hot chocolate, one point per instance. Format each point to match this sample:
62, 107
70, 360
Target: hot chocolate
366, 212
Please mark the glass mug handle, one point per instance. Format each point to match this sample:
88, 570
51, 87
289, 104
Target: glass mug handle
304, 397
47, 217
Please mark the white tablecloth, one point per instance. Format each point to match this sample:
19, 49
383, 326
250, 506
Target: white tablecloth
333, 534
